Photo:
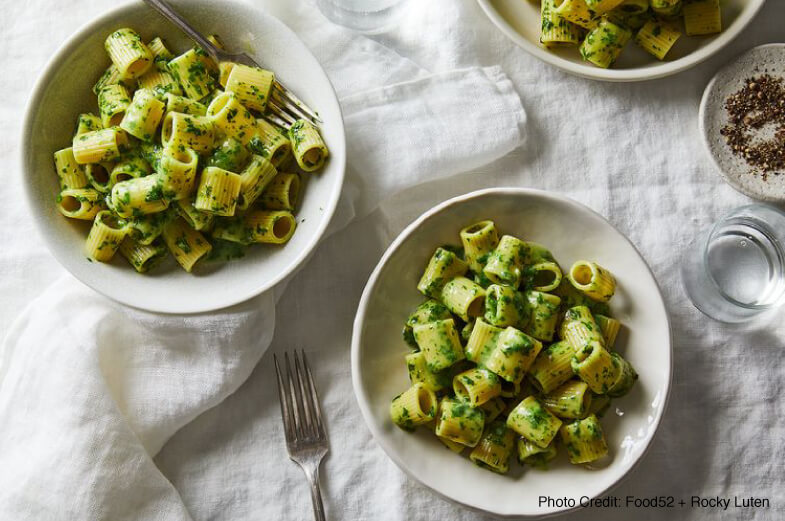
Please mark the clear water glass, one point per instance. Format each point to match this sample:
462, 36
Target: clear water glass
736, 271
365, 16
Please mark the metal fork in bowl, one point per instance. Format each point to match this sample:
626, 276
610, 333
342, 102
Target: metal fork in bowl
284, 107
306, 437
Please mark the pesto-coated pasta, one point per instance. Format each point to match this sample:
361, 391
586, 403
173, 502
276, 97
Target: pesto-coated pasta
702, 17
170, 154
71, 173
592, 280
603, 45
127, 52
105, 236
143, 115
80, 203
443, 267
282, 192
534, 422
657, 37
142, 256
463, 297
584, 440
556, 30
440, 343
495, 448
505, 384
308, 148
414, 407
251, 85
478, 241
460, 422
187, 245
577, 12
476, 386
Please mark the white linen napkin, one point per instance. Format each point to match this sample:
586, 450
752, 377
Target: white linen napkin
90, 390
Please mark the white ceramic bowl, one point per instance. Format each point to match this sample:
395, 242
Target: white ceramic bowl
64, 91
572, 232
519, 20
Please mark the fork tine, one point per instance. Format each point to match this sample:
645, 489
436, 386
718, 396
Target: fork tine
275, 120
296, 400
283, 398
314, 398
289, 95
296, 111
279, 111
310, 422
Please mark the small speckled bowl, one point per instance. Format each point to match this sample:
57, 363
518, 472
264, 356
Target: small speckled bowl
766, 59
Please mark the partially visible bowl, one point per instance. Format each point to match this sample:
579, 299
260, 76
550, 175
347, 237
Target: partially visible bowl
519, 20
571, 231
63, 92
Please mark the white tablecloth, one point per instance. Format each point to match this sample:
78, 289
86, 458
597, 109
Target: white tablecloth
630, 151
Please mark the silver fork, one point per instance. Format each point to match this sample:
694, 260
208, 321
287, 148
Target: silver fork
306, 437
285, 108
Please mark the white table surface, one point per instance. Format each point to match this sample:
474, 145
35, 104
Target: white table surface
630, 151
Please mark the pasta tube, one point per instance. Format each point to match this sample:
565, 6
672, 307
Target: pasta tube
478, 241
460, 422
218, 191
420, 373
87, 123
584, 440
609, 328
532, 454
506, 262
702, 17
571, 400
534, 422
599, 370
463, 297
443, 267
260, 226
70, 173
194, 74
414, 407
308, 148
251, 85
80, 203
440, 343
505, 306
626, 377
99, 145
255, 178
113, 101
580, 330
139, 196
142, 257
186, 244
552, 367
228, 114
183, 130
230, 155
657, 37
271, 142
482, 341
145, 229
196, 219
127, 52
543, 314
282, 191
604, 43
142, 117
556, 30
577, 12
177, 172
513, 355
476, 386
592, 280
159, 83
176, 103
495, 448
105, 236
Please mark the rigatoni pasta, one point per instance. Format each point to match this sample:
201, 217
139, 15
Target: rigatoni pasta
485, 349
600, 29
172, 163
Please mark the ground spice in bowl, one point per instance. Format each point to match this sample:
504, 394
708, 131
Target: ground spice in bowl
756, 124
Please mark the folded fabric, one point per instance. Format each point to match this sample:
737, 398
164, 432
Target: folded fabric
90, 390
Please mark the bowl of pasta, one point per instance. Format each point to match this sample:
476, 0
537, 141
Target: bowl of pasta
168, 180
621, 40
511, 345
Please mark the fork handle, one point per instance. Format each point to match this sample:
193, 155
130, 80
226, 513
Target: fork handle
316, 493
170, 14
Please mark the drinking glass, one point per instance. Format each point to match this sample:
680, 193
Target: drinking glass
736, 271
365, 16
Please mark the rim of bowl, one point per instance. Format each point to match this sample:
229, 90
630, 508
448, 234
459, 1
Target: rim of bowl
730, 179
633, 74
26, 157
363, 400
